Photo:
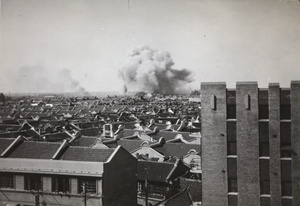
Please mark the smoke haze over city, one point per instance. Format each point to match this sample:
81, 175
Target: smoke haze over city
215, 40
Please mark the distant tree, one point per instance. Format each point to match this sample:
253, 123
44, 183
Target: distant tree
2, 97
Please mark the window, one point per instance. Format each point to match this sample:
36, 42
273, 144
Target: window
285, 104
155, 190
231, 148
232, 185
264, 170
140, 187
287, 202
231, 138
60, 184
232, 200
33, 182
286, 188
285, 111
263, 111
264, 149
265, 201
196, 163
231, 111
89, 184
231, 104
264, 139
232, 174
107, 129
285, 139
6, 180
263, 107
286, 178
264, 187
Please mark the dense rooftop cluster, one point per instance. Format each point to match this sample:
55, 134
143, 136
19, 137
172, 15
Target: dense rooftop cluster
161, 132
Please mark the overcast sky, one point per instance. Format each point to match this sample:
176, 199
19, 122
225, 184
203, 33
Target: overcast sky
45, 43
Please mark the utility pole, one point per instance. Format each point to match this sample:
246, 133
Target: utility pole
37, 200
146, 191
84, 193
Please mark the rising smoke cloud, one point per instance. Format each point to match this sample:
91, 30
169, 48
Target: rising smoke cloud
152, 71
40, 79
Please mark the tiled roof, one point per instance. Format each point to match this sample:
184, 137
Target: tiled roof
35, 150
57, 136
4, 143
87, 154
90, 131
181, 199
130, 145
85, 141
159, 126
111, 144
170, 135
128, 132
154, 171
194, 188
179, 149
176, 149
12, 134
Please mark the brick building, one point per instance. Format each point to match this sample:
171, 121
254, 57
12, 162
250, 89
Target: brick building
250, 144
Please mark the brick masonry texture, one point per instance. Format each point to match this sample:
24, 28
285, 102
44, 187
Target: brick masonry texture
214, 145
247, 145
274, 140
295, 141
214, 142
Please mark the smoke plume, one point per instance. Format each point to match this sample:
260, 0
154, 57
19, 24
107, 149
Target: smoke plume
40, 79
151, 71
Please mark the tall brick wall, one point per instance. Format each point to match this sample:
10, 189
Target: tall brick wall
295, 140
274, 140
247, 144
275, 106
214, 144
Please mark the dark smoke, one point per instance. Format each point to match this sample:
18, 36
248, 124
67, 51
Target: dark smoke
125, 90
151, 71
39, 79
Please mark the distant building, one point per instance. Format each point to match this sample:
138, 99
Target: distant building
250, 144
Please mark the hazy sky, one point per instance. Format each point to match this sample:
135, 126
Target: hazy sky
89, 40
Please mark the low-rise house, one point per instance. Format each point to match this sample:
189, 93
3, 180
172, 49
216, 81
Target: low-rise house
158, 181
33, 173
148, 152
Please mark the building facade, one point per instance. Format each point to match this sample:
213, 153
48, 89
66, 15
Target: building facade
250, 144
43, 173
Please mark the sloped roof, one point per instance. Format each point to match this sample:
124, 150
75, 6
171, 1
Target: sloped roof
35, 150
176, 149
93, 131
86, 141
57, 136
179, 149
87, 154
154, 171
111, 144
4, 143
180, 199
128, 132
194, 188
169, 135
130, 145
11, 134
